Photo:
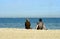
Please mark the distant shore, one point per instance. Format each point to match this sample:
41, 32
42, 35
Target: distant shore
15, 33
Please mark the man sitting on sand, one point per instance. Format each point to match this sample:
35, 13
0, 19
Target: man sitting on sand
40, 25
27, 24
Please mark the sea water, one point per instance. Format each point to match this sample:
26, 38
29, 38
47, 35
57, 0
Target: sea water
50, 23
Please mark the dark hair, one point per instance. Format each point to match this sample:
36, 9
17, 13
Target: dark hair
40, 19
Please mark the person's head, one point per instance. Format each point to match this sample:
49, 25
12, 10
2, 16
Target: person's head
40, 20
27, 19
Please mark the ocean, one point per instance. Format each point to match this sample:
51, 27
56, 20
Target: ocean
50, 23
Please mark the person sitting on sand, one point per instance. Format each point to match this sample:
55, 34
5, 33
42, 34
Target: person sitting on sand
40, 25
27, 24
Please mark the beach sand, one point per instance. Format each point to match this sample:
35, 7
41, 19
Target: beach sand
13, 33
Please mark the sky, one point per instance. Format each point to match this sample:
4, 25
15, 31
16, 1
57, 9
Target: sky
29, 8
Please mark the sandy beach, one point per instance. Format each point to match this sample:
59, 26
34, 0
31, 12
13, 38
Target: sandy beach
13, 33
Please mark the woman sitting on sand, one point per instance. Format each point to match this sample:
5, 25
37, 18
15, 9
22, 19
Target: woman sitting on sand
40, 25
27, 24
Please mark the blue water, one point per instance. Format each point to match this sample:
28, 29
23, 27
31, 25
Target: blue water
51, 23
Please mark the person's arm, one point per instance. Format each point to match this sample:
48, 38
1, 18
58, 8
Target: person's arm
44, 27
25, 23
36, 26
29, 24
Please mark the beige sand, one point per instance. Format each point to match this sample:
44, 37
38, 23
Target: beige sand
12, 33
